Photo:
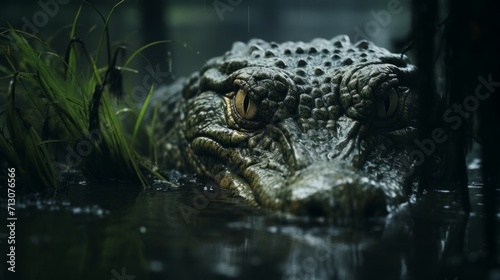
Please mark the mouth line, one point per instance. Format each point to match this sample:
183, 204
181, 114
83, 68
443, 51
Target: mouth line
331, 183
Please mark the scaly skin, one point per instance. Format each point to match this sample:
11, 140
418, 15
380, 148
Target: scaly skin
319, 128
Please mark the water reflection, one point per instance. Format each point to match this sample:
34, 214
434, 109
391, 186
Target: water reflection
120, 232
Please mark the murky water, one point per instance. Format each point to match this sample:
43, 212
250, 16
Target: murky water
118, 232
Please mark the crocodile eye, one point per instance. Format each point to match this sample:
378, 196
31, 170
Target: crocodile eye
389, 105
244, 105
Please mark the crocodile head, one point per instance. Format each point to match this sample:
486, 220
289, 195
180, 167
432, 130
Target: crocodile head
318, 128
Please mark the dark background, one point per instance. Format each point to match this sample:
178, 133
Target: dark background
206, 28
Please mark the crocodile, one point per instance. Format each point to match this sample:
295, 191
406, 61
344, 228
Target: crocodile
321, 128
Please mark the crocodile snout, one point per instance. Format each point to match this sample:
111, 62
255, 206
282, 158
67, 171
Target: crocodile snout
327, 189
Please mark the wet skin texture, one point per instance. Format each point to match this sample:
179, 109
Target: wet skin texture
320, 128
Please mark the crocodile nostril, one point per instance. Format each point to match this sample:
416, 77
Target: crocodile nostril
375, 207
342, 201
363, 200
315, 210
335, 193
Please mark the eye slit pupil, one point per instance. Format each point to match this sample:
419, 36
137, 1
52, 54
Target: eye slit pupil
246, 103
387, 104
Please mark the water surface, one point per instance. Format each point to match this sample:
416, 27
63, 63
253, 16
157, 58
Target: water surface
118, 231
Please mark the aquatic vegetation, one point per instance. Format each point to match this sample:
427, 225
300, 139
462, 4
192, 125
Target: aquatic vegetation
63, 112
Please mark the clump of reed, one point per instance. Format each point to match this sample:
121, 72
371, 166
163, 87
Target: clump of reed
60, 112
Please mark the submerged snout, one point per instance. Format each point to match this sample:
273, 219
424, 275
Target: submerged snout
330, 189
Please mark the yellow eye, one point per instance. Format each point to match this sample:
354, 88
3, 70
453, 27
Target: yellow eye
389, 106
244, 105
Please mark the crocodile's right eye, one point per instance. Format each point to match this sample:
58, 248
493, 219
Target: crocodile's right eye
387, 108
244, 105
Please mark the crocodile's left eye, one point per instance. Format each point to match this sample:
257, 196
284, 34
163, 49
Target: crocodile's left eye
244, 105
387, 108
